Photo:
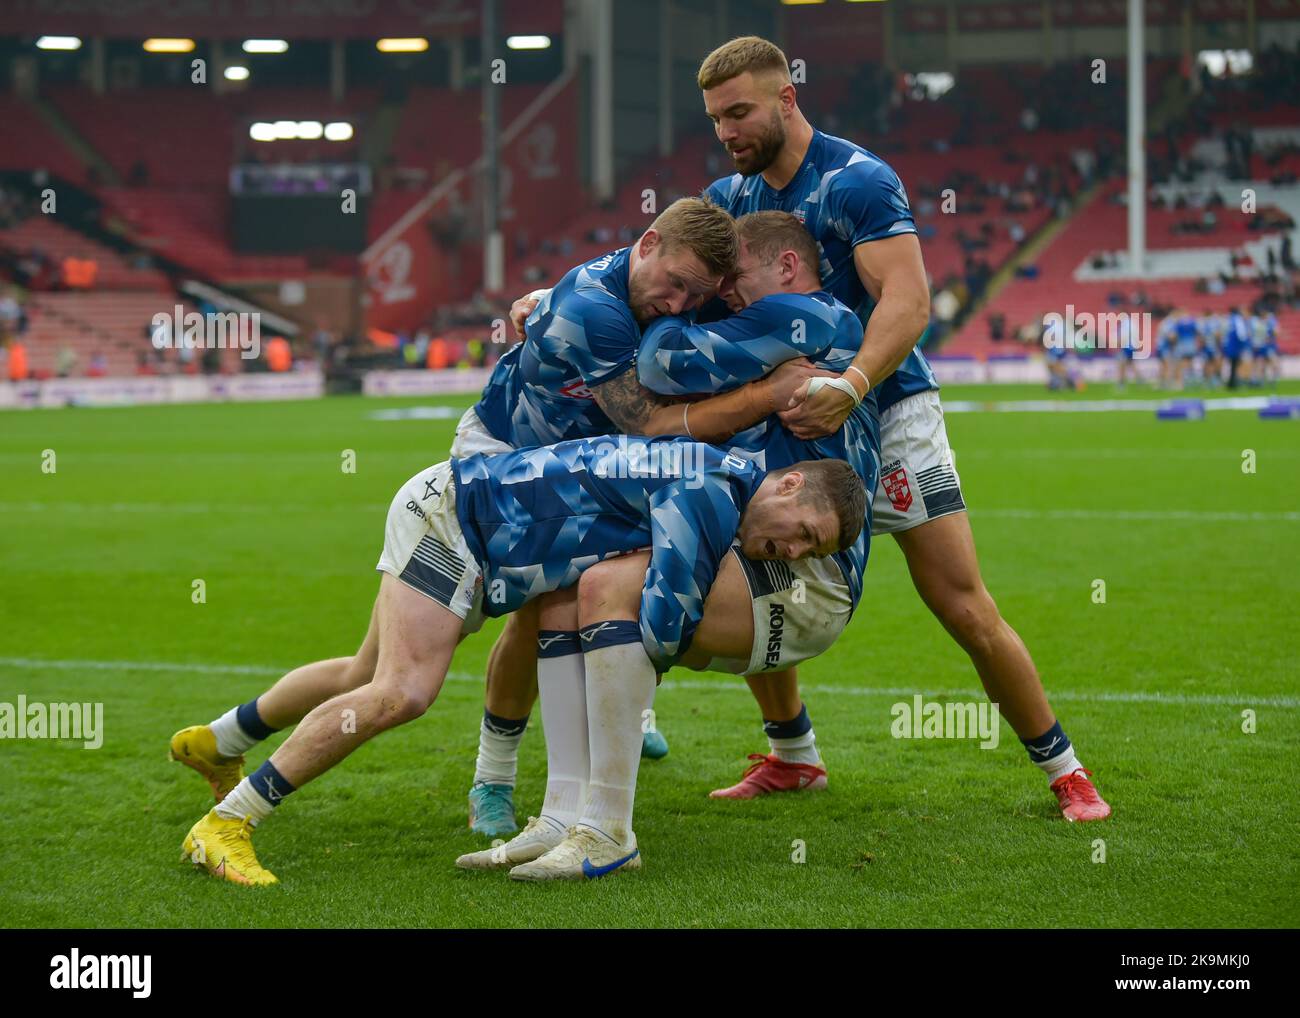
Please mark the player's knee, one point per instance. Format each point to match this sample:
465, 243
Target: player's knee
609, 590
400, 702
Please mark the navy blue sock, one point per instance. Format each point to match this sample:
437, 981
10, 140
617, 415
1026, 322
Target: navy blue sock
269, 783
557, 642
251, 722
799, 725
609, 634
498, 725
1052, 743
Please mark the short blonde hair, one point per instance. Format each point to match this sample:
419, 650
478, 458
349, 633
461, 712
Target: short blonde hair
732, 59
704, 229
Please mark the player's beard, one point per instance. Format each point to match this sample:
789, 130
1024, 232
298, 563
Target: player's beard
642, 310
752, 544
764, 150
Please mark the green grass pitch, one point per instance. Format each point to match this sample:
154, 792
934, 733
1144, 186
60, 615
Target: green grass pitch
1201, 563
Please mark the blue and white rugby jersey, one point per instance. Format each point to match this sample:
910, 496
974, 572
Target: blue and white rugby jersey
845, 196
678, 357
534, 519
581, 335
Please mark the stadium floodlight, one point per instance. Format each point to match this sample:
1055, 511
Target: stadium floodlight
528, 42
169, 45
262, 131
61, 42
402, 45
310, 130
265, 46
286, 129
236, 72
340, 130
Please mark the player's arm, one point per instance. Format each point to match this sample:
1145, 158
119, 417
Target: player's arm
893, 273
679, 357
869, 206
635, 410
692, 525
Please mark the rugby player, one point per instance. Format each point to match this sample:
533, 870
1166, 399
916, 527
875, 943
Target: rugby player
760, 615
485, 535
856, 209
573, 378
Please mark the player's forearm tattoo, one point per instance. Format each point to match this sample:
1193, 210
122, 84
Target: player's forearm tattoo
628, 403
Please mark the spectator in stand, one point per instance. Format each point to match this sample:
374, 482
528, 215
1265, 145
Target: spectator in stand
65, 364
11, 316
322, 341
476, 353
279, 357
408, 354
17, 361
98, 365
439, 354
143, 366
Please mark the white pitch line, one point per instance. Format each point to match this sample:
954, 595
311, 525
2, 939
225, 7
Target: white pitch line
1138, 515
201, 508
705, 685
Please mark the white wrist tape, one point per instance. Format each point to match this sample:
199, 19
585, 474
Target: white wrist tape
815, 386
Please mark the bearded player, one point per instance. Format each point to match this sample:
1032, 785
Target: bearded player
856, 208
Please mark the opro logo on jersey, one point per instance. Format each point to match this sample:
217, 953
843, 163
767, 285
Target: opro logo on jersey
775, 633
577, 390
898, 491
415, 509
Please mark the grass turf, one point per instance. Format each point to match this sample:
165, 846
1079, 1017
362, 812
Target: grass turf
1202, 569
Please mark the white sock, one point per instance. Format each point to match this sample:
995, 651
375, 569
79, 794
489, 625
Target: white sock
244, 801
562, 690
498, 750
801, 749
231, 739
620, 685
1060, 765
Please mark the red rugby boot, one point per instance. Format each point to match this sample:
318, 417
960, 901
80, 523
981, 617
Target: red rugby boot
772, 774
1078, 797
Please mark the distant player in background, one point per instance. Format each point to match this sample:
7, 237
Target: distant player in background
1165, 340
1059, 375
1210, 339
1128, 344
1236, 348
1186, 336
1265, 365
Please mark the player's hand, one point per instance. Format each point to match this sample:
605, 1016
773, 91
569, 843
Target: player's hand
519, 312
790, 377
819, 416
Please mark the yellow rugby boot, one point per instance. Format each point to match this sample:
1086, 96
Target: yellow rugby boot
224, 847
196, 748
